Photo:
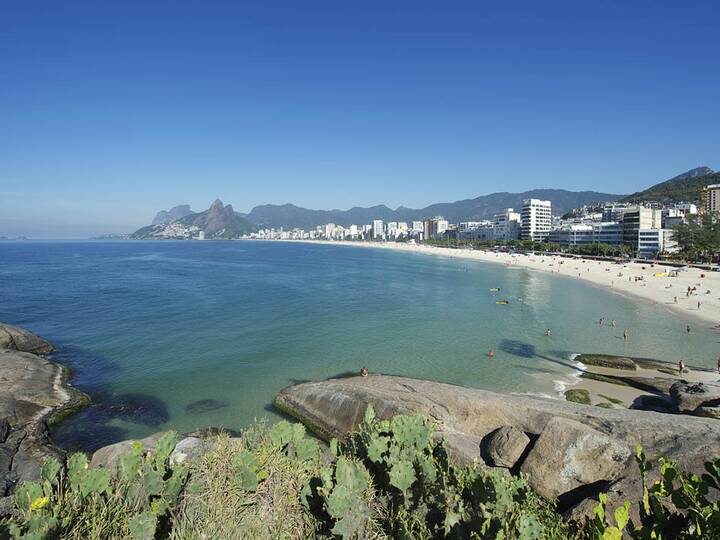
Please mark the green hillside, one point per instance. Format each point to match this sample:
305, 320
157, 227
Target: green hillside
683, 188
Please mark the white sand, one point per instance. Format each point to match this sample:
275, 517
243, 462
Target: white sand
616, 277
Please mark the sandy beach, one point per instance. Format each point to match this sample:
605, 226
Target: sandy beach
650, 282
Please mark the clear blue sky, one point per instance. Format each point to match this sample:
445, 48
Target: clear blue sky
110, 111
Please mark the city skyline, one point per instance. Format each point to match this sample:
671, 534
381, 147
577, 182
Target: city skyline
111, 114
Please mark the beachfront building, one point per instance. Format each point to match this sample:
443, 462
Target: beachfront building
654, 241
506, 225
434, 227
710, 198
378, 229
636, 218
572, 234
535, 219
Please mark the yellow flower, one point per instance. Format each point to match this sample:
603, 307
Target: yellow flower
85, 466
39, 503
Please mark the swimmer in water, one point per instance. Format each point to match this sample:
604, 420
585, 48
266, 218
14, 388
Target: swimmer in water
625, 334
491, 353
364, 371
548, 332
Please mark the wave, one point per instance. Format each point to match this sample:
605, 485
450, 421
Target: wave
561, 385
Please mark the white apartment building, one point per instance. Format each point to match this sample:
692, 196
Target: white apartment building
378, 229
654, 241
535, 219
417, 226
506, 225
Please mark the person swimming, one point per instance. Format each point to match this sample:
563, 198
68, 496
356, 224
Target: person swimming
625, 334
491, 353
548, 332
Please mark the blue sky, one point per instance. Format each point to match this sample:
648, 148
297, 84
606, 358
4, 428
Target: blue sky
110, 111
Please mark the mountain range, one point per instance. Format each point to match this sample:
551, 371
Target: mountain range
221, 221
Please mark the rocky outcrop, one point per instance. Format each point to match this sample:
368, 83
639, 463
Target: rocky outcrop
505, 446
569, 455
18, 339
579, 450
33, 391
187, 447
689, 398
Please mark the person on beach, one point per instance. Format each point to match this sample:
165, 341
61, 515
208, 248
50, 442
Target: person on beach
364, 371
548, 332
698, 305
625, 334
675, 299
681, 366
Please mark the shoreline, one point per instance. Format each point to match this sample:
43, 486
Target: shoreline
603, 274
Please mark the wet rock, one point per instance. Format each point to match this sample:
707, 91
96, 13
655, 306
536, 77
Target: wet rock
688, 397
205, 405
608, 361
19, 339
505, 446
569, 455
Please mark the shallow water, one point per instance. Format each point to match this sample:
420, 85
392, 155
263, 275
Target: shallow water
190, 334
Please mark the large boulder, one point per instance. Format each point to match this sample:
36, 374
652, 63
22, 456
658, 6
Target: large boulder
569, 455
334, 407
107, 456
19, 339
505, 446
687, 397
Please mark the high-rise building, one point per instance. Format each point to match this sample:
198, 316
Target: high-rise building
637, 218
710, 198
378, 230
434, 227
535, 219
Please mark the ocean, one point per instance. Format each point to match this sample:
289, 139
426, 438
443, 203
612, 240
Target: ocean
185, 335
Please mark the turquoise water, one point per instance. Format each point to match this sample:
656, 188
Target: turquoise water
151, 328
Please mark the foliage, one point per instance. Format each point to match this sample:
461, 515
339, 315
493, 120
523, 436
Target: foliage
698, 237
677, 505
78, 502
391, 479
598, 250
578, 395
419, 493
675, 190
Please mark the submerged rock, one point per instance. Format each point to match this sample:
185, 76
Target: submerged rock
205, 405
137, 408
19, 339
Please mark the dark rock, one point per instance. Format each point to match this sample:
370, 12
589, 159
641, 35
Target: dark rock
505, 446
18, 339
688, 397
608, 361
4, 429
137, 408
205, 405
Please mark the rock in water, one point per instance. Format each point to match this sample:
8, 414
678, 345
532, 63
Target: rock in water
569, 455
18, 339
205, 405
505, 446
688, 397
